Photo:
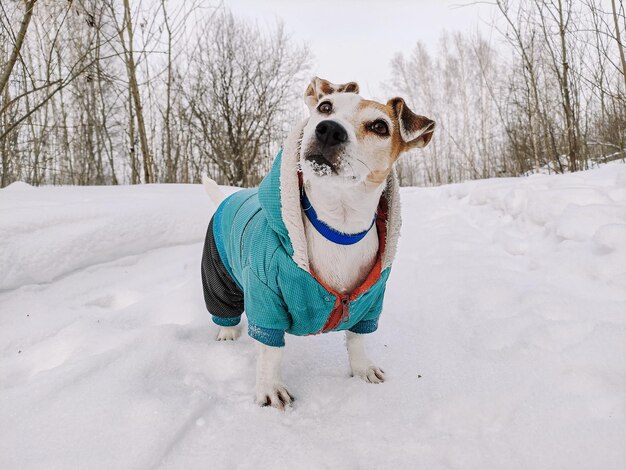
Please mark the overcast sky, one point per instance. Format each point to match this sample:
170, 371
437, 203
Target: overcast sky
356, 40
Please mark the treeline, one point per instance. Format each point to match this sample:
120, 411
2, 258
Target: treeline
104, 92
545, 93
96, 92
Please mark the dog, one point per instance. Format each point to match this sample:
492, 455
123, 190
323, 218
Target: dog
310, 250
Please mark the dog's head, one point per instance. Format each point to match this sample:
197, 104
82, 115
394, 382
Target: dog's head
350, 139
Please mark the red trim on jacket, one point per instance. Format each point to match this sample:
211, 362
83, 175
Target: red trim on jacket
341, 308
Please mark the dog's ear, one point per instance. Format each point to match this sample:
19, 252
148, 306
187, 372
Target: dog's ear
318, 88
415, 131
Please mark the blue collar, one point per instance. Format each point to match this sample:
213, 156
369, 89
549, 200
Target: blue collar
327, 231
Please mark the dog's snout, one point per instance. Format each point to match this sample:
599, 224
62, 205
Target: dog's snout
331, 133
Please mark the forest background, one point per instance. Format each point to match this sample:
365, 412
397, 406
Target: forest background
119, 92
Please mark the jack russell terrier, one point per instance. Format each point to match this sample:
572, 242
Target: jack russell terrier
310, 250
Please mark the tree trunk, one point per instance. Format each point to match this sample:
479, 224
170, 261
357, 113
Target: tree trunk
170, 169
134, 173
569, 118
19, 40
134, 90
620, 46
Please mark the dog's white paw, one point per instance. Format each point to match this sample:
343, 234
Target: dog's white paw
370, 373
275, 395
229, 333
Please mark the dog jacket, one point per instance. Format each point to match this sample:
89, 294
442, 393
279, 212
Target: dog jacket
255, 259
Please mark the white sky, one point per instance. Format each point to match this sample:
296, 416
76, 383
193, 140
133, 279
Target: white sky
355, 40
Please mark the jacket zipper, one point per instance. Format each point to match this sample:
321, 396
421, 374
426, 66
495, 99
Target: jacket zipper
345, 309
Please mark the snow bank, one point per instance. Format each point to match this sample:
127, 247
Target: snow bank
49, 232
503, 337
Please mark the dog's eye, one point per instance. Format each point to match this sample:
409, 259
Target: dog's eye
380, 127
325, 108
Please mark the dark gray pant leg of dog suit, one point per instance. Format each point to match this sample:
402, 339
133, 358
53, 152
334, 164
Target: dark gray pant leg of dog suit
222, 295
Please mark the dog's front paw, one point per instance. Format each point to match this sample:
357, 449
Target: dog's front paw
371, 374
229, 333
275, 395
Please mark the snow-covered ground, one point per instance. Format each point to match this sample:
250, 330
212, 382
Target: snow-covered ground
503, 337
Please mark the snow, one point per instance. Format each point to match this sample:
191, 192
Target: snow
503, 337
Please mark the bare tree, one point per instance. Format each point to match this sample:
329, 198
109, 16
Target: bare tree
242, 82
561, 15
125, 31
32, 85
457, 88
618, 40
17, 45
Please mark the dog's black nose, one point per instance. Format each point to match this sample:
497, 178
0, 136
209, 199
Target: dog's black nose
331, 133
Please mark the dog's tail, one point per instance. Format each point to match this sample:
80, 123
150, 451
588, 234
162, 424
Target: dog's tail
213, 190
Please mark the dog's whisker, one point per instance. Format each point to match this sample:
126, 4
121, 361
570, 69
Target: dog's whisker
365, 164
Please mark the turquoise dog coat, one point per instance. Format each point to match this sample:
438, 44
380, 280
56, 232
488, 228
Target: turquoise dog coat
255, 259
